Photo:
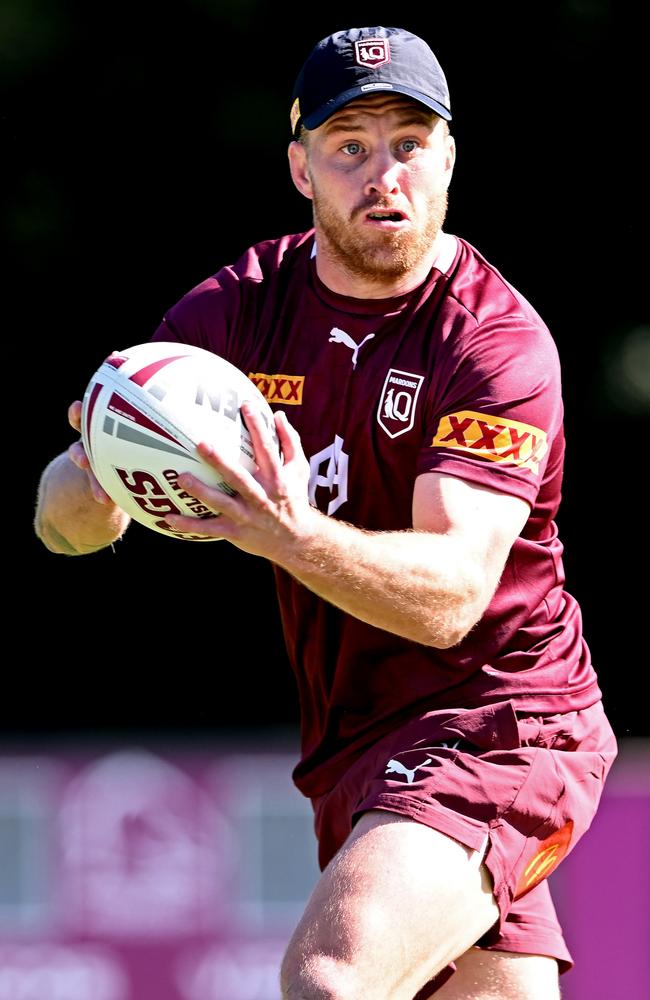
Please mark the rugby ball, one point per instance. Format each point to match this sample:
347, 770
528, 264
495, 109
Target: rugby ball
145, 410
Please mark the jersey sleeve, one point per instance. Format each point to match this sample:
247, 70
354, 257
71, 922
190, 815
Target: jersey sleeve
499, 411
223, 313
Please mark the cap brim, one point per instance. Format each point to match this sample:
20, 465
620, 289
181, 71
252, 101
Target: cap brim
326, 111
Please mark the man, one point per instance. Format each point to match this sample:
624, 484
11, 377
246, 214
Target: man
454, 744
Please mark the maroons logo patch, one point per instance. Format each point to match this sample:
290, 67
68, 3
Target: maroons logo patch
372, 52
396, 411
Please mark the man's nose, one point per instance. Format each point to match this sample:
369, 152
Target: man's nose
383, 175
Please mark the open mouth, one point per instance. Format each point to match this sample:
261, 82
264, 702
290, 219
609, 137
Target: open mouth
379, 216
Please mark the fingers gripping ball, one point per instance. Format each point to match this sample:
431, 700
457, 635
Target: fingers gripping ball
144, 412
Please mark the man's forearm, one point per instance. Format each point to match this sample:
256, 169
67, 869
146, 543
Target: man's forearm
423, 586
68, 520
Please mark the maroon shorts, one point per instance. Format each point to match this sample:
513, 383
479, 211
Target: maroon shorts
529, 784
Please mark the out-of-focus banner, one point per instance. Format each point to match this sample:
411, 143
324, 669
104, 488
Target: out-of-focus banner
131, 873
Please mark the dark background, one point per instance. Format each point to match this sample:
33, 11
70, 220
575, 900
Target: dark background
145, 147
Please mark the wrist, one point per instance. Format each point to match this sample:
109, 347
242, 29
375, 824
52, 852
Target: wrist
301, 549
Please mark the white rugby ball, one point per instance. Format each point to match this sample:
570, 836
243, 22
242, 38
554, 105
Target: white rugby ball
144, 412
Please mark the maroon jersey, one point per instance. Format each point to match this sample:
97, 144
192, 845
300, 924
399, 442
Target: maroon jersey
459, 376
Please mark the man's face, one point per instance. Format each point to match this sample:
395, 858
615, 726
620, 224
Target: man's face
377, 172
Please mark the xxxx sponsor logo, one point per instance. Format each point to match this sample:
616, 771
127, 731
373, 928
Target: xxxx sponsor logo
495, 438
279, 388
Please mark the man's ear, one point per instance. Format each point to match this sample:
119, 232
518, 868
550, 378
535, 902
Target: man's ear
299, 168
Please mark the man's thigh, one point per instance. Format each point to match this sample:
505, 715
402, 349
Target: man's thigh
395, 905
501, 975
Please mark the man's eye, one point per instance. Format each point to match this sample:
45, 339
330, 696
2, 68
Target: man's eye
352, 148
408, 145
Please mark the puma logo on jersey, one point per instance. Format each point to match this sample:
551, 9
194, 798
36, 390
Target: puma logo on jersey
394, 766
338, 336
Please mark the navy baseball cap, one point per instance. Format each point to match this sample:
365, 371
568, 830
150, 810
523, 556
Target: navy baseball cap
362, 61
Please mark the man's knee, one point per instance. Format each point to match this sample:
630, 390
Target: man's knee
396, 904
317, 977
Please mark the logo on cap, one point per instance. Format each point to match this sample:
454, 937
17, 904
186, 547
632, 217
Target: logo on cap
372, 52
294, 114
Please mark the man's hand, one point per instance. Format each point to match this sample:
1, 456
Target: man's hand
74, 515
270, 513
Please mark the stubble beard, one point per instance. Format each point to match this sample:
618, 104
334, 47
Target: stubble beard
378, 257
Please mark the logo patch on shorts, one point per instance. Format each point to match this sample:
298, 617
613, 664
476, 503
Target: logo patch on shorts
547, 857
285, 389
498, 439
396, 767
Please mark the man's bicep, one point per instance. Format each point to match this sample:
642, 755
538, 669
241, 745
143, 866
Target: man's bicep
485, 520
